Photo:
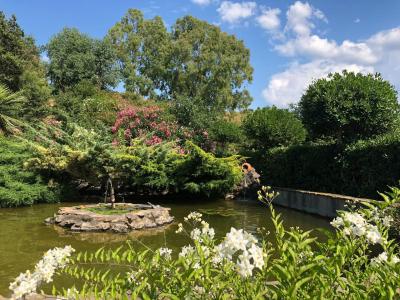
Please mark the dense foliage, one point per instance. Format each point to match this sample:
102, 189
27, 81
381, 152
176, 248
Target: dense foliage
356, 261
20, 65
348, 106
150, 169
358, 169
195, 61
75, 57
273, 127
227, 136
18, 185
10, 105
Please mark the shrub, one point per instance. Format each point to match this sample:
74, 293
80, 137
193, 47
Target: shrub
273, 127
371, 165
356, 261
227, 136
348, 107
161, 168
359, 169
310, 167
19, 186
87, 105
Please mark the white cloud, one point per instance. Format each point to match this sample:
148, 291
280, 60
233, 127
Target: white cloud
320, 55
386, 39
357, 20
269, 19
232, 12
288, 86
299, 16
316, 47
202, 2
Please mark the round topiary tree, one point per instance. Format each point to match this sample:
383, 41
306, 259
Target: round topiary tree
347, 106
271, 127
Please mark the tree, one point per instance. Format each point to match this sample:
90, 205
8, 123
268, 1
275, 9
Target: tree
142, 47
13, 50
208, 66
75, 56
195, 62
20, 65
347, 106
272, 127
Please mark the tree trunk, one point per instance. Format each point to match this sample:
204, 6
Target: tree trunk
112, 195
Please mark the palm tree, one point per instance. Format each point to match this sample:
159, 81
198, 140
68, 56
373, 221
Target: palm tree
10, 104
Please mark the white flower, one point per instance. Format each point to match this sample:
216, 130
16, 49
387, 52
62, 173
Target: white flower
395, 259
180, 228
244, 244
337, 222
373, 235
208, 232
206, 251
358, 230
383, 258
236, 239
27, 283
354, 219
257, 255
186, 251
216, 260
196, 234
195, 216
379, 259
346, 231
165, 252
387, 220
196, 266
244, 266
200, 235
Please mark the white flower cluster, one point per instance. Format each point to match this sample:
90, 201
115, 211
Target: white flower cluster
244, 244
383, 258
180, 228
355, 224
27, 283
203, 234
165, 252
194, 216
187, 251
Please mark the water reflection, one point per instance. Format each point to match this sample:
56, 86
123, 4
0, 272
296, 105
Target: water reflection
24, 237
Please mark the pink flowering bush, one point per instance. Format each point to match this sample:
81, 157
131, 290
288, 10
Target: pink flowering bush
151, 124
146, 123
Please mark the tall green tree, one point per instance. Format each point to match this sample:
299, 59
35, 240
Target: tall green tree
20, 64
208, 66
196, 61
14, 49
348, 106
75, 57
142, 48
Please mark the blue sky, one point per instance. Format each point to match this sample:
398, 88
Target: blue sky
291, 42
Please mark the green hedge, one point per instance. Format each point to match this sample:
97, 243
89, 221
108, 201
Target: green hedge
371, 166
360, 169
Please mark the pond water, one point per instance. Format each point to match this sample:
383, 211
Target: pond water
24, 237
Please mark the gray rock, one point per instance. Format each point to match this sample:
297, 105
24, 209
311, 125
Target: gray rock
79, 218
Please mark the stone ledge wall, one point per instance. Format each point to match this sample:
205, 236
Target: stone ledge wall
322, 204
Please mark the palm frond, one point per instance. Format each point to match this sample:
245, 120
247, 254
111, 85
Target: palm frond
10, 105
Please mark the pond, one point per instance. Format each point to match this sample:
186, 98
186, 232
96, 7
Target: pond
24, 237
